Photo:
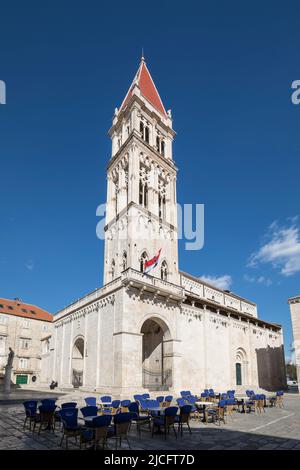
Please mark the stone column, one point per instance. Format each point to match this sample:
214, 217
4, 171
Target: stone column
250, 380
232, 361
205, 345
70, 352
85, 350
54, 375
294, 303
62, 353
98, 347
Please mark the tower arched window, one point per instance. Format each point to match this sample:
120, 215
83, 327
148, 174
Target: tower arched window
142, 129
157, 143
143, 188
146, 195
124, 260
143, 259
145, 132
164, 271
162, 148
113, 269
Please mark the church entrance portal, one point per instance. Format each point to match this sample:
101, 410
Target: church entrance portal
156, 362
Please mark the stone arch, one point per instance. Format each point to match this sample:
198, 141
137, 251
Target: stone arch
157, 353
78, 361
241, 367
164, 270
143, 256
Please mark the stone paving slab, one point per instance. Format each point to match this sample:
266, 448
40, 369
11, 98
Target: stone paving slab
276, 429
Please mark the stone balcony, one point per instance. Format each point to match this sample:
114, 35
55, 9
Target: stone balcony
151, 284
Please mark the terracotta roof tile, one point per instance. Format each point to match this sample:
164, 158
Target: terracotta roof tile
20, 309
147, 87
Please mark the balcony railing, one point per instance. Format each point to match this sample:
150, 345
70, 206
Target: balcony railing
152, 283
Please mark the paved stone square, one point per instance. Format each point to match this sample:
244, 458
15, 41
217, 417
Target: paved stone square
275, 429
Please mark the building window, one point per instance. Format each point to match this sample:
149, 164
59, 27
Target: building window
164, 271
124, 260
23, 363
24, 343
160, 145
143, 188
157, 143
3, 320
145, 132
162, 199
143, 259
25, 324
45, 327
161, 206
2, 344
45, 346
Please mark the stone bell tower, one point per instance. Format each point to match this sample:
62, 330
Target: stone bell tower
141, 215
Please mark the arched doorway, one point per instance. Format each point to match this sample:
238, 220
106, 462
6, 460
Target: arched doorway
241, 367
77, 362
157, 357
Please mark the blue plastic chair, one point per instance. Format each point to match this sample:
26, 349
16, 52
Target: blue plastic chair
122, 423
181, 402
145, 396
100, 425
115, 405
167, 421
69, 417
48, 401
90, 401
30, 411
136, 417
160, 399
69, 404
106, 399
89, 411
183, 418
169, 399
45, 416
125, 404
137, 397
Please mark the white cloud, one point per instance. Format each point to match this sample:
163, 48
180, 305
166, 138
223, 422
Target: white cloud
29, 265
259, 279
222, 282
282, 248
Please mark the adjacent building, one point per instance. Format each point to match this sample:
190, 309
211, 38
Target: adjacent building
27, 330
294, 303
167, 330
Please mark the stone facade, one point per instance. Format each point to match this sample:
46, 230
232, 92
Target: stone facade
295, 315
168, 330
29, 337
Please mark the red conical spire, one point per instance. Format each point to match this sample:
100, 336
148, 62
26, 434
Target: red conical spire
147, 87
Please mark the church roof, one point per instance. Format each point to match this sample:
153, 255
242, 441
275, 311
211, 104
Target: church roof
147, 88
20, 309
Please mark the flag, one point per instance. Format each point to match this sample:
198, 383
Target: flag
151, 263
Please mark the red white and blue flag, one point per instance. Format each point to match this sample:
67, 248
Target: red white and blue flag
151, 263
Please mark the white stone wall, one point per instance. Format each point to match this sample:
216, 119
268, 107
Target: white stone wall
13, 329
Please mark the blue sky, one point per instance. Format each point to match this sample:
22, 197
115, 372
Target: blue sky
224, 68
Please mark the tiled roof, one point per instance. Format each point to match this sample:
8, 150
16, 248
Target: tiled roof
20, 309
147, 87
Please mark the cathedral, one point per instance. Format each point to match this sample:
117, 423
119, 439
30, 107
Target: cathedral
152, 327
